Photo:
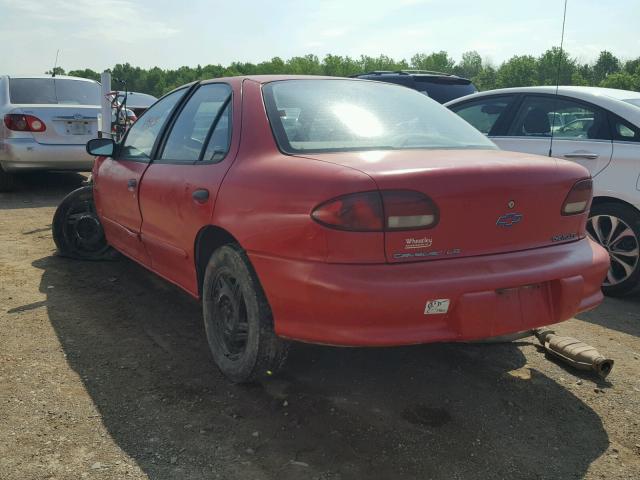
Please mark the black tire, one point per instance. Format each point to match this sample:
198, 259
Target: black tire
77, 232
238, 319
7, 181
622, 244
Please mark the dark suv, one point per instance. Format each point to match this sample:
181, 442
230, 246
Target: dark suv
442, 87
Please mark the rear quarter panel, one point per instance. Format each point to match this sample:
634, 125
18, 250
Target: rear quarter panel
267, 198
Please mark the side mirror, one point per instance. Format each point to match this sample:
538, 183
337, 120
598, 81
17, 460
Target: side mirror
101, 147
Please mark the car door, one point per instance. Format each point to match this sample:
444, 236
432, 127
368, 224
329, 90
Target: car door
580, 131
623, 176
117, 179
179, 188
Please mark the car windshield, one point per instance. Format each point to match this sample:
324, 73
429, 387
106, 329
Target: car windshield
52, 91
633, 101
344, 115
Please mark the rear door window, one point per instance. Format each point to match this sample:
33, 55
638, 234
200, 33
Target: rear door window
539, 115
484, 114
192, 128
53, 91
220, 139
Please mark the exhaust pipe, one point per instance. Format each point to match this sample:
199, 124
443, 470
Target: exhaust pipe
574, 352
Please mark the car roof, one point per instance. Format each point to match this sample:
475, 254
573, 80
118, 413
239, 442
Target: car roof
66, 77
608, 98
562, 89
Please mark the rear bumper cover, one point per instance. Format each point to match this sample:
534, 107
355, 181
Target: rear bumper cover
369, 305
21, 154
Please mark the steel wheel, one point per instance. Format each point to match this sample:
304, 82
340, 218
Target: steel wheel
229, 315
237, 318
77, 231
621, 242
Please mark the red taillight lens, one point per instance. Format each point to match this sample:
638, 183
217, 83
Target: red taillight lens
409, 210
358, 212
378, 211
579, 198
24, 123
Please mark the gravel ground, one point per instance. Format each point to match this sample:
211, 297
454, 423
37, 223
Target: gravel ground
105, 373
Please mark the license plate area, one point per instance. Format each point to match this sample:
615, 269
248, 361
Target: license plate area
526, 303
77, 127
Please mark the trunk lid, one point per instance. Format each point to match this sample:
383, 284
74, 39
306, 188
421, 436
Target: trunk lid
65, 124
490, 201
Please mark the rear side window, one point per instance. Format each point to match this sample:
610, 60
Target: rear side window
194, 124
484, 114
53, 91
624, 131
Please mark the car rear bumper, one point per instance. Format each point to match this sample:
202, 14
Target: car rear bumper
492, 295
21, 154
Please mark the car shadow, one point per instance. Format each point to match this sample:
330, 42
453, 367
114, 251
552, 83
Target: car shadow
40, 189
621, 314
435, 411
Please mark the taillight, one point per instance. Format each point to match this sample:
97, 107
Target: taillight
378, 211
579, 197
358, 212
409, 210
24, 123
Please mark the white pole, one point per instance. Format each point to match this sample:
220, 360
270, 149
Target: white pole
104, 120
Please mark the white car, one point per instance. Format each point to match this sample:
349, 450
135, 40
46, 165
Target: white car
46, 123
596, 127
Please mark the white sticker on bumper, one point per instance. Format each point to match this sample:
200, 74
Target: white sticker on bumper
437, 307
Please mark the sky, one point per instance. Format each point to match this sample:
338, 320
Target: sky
97, 34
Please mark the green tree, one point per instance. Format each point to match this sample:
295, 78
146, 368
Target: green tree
470, 66
337, 66
554, 66
86, 73
606, 64
55, 71
382, 62
621, 80
518, 71
578, 79
436, 62
521, 70
486, 79
631, 66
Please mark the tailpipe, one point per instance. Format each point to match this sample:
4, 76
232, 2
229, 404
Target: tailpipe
574, 352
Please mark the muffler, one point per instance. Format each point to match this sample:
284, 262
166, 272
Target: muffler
574, 352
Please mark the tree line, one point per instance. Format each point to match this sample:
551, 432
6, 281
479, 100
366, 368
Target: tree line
520, 70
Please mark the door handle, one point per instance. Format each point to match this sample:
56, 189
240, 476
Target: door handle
131, 183
590, 156
201, 195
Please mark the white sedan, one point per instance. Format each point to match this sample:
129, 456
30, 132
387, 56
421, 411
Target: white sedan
596, 127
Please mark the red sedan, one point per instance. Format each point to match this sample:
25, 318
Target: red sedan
336, 211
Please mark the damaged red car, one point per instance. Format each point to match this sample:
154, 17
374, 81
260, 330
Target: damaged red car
336, 211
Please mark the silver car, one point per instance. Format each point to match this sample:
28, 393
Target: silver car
596, 127
46, 123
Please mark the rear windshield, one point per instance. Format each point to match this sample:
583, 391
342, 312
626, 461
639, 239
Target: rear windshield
444, 90
633, 101
53, 91
344, 115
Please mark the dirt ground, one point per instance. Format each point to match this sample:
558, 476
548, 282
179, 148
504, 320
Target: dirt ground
105, 373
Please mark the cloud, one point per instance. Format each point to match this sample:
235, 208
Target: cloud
113, 20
